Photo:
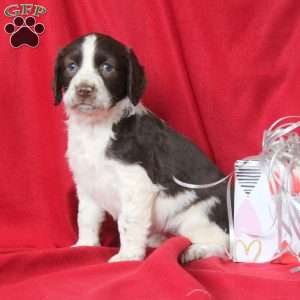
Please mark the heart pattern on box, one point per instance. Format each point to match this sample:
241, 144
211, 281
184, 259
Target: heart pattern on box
252, 250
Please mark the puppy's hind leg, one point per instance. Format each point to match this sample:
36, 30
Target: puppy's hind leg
207, 238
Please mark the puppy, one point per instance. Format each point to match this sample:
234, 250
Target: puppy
123, 158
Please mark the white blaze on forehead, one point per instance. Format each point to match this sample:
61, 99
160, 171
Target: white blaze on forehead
88, 53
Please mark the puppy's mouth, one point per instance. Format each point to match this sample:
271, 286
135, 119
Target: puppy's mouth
88, 106
85, 108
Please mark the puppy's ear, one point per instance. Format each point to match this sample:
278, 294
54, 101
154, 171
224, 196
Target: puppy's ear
57, 84
136, 81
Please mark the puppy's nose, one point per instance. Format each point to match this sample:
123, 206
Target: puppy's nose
85, 90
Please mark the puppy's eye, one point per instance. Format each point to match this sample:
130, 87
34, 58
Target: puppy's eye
107, 68
72, 67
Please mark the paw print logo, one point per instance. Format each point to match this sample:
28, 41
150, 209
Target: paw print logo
24, 31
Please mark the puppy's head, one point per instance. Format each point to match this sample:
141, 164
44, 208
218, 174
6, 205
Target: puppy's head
95, 72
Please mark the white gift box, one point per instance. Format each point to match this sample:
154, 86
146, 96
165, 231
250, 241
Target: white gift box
266, 220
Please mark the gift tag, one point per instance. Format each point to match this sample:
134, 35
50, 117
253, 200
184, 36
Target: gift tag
248, 175
254, 212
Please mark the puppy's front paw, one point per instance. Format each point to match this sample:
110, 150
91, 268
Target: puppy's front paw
86, 243
126, 257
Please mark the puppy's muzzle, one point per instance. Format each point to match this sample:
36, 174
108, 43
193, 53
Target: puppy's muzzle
85, 97
85, 91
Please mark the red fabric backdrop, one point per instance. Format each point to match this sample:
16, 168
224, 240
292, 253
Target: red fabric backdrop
218, 71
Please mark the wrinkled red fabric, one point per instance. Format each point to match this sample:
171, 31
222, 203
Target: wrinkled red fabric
219, 72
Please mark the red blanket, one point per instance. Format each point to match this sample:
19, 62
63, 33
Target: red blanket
218, 71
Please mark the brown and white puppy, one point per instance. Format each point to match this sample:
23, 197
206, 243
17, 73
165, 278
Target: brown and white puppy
123, 158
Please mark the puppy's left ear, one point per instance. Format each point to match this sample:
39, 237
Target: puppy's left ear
57, 84
136, 80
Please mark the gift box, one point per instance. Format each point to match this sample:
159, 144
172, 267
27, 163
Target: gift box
266, 221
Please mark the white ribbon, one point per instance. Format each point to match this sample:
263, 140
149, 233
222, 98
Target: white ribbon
200, 186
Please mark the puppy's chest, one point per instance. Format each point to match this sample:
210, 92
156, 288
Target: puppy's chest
94, 173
